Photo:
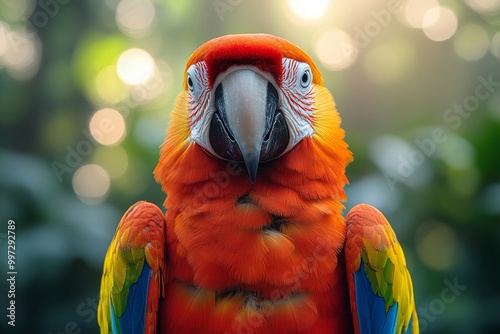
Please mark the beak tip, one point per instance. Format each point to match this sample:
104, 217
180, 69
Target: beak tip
252, 167
253, 178
251, 159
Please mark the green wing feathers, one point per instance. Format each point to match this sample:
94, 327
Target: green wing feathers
139, 239
371, 243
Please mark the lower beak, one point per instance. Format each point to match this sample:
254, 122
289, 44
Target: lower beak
247, 125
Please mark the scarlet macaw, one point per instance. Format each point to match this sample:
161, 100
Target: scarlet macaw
253, 240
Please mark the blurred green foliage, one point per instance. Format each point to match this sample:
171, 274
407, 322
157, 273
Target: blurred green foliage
440, 190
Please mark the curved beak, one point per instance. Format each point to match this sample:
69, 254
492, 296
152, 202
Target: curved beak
247, 125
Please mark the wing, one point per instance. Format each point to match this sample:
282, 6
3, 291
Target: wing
133, 272
380, 286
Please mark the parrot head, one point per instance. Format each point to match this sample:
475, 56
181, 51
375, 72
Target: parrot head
250, 98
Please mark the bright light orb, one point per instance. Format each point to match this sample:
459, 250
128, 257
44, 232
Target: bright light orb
159, 82
18, 10
415, 10
308, 9
91, 183
135, 66
107, 126
495, 45
440, 24
336, 50
20, 51
471, 42
135, 17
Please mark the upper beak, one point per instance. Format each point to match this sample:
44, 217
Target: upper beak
247, 125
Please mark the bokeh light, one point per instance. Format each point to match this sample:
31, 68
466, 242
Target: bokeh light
308, 9
456, 152
471, 42
17, 10
112, 158
437, 245
440, 23
135, 66
397, 158
415, 10
372, 189
158, 83
91, 183
459, 156
4, 30
20, 52
495, 45
135, 17
336, 50
107, 126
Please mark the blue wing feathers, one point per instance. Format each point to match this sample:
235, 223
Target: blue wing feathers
115, 326
133, 319
372, 314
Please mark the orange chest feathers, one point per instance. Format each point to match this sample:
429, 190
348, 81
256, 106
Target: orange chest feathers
254, 258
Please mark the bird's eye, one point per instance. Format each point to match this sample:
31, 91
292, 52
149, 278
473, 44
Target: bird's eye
191, 80
305, 76
190, 83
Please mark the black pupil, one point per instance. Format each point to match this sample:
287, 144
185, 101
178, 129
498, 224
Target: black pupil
305, 77
190, 82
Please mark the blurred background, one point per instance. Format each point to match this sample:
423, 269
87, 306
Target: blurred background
85, 93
